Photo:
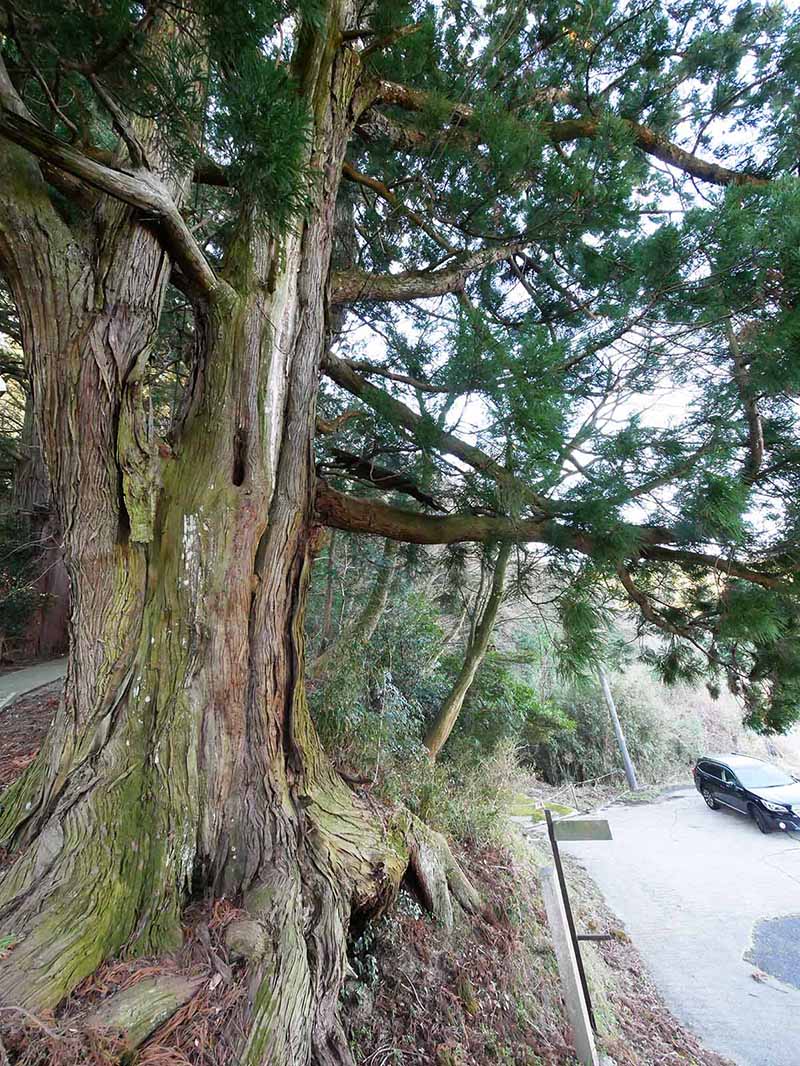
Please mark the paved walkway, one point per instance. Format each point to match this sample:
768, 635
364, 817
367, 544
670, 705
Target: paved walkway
16, 683
713, 907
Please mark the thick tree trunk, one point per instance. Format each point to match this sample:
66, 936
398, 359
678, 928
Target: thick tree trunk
447, 715
183, 757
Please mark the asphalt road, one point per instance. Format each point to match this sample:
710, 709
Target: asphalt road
14, 683
714, 908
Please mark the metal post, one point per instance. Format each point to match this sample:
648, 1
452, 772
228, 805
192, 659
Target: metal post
630, 773
570, 920
574, 1001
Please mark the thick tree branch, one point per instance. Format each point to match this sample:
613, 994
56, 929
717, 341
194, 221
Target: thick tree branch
350, 286
355, 515
339, 511
659, 147
207, 172
141, 190
717, 563
375, 126
646, 139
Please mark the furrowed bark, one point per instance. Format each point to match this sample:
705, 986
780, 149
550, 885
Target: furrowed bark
35, 515
446, 717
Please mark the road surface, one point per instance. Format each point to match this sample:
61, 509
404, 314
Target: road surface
710, 902
16, 683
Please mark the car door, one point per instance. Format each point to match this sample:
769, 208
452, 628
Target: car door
712, 781
732, 792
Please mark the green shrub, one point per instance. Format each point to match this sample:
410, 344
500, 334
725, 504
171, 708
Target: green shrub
663, 738
501, 707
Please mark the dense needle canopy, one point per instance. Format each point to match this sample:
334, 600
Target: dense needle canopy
564, 297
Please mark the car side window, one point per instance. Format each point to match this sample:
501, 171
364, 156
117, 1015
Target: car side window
712, 770
727, 777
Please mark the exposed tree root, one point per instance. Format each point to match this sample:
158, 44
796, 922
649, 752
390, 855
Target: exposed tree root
328, 861
437, 876
137, 1011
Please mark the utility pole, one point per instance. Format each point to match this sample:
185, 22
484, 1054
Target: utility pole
630, 773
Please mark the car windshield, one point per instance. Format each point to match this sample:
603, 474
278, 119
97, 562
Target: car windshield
762, 776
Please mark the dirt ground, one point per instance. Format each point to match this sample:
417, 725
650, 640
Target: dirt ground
23, 725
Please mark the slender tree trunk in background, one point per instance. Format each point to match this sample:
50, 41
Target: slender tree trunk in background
451, 636
327, 610
630, 772
361, 630
447, 715
183, 757
35, 513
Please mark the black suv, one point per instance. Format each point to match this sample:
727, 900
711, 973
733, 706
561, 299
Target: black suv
752, 787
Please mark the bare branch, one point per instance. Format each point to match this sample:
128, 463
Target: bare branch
655, 617
394, 201
381, 477
121, 124
364, 366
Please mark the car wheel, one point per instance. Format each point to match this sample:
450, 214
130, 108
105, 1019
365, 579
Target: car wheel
709, 798
761, 820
